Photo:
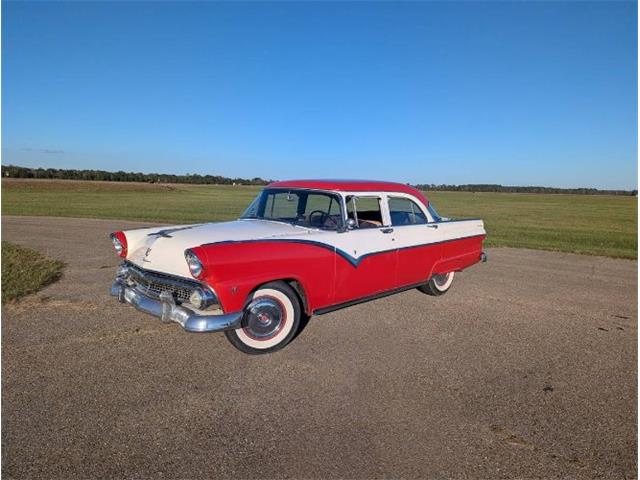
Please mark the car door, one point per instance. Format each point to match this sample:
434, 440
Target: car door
365, 254
418, 241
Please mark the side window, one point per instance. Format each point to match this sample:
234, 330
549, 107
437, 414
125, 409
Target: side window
405, 212
366, 211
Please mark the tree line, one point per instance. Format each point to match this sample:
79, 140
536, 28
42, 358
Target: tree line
515, 189
12, 171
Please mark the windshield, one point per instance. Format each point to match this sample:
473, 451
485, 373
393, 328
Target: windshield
297, 207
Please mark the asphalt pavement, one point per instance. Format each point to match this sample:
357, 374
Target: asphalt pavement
527, 368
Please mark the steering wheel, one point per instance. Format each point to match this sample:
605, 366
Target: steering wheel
324, 216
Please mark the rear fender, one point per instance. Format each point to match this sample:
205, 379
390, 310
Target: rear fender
459, 254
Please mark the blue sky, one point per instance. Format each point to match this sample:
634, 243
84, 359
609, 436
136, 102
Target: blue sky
523, 93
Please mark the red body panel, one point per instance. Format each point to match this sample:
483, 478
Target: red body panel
235, 269
459, 254
374, 274
415, 263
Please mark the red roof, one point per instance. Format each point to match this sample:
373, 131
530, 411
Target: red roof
352, 186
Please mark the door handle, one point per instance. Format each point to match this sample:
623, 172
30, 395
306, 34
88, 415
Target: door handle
386, 230
432, 225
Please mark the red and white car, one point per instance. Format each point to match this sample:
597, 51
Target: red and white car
302, 247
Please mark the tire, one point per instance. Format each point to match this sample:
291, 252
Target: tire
438, 284
271, 320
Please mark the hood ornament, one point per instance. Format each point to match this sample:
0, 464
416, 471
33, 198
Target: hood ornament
165, 233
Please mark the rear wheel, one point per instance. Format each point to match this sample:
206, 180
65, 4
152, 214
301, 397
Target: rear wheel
438, 284
271, 320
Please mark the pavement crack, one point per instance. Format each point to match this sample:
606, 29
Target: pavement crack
511, 438
515, 440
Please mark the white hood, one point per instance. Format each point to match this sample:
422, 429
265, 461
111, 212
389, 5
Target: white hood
162, 248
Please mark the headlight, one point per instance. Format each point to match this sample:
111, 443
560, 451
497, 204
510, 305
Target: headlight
195, 265
119, 243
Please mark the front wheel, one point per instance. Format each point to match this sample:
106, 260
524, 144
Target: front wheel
438, 284
271, 320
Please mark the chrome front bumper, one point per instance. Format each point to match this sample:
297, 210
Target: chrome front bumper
166, 309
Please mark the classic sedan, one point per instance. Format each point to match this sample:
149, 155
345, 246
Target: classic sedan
303, 247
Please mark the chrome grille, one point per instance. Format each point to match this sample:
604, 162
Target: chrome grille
152, 284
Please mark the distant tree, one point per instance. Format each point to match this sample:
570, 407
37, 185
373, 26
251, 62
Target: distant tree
518, 189
121, 176
13, 171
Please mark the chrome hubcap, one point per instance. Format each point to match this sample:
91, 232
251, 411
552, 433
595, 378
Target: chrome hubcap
441, 280
264, 318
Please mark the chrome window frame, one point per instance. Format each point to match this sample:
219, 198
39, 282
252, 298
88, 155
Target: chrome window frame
381, 202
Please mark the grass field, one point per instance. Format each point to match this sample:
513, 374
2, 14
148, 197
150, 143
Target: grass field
26, 271
596, 225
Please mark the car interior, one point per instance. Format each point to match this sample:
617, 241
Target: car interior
322, 210
365, 211
315, 210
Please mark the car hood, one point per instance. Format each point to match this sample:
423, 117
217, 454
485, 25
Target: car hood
162, 248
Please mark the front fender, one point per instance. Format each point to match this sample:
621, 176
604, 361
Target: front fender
235, 269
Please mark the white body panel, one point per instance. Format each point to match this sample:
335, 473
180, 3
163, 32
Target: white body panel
412, 235
162, 248
375, 240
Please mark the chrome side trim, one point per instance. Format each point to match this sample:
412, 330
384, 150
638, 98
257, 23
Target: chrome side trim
332, 308
166, 309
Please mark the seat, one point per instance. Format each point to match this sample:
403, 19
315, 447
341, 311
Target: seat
400, 218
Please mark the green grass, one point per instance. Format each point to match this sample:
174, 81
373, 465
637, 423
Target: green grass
126, 201
26, 271
588, 224
596, 225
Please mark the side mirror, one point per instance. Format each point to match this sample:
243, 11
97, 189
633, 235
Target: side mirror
350, 224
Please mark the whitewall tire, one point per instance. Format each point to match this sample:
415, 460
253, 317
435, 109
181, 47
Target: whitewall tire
271, 320
438, 284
